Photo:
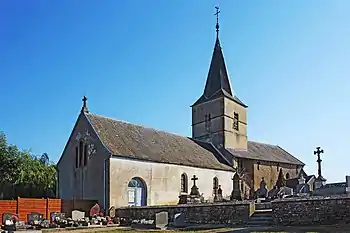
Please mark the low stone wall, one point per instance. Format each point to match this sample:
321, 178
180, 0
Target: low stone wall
216, 213
312, 210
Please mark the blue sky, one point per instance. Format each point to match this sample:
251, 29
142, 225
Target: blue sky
146, 62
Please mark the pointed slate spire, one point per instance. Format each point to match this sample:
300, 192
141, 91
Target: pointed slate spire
217, 79
217, 84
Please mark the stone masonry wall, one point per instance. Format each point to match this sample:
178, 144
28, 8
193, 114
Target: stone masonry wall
221, 213
312, 211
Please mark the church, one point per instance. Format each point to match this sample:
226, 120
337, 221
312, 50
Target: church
123, 164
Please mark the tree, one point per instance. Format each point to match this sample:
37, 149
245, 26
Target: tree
281, 181
24, 174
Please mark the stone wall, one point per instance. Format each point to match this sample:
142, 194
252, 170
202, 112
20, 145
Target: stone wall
312, 210
220, 213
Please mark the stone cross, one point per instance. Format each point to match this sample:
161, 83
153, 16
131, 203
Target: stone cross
194, 178
318, 152
84, 108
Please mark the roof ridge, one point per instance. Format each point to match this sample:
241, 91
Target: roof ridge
264, 143
138, 125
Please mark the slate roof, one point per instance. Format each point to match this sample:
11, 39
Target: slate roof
218, 84
266, 152
147, 144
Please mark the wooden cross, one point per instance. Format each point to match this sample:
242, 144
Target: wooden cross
217, 19
318, 152
194, 178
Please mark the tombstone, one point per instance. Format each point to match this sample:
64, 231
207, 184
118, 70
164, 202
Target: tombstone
272, 194
35, 218
95, 210
219, 197
162, 219
9, 221
77, 215
194, 189
285, 191
179, 220
236, 193
111, 212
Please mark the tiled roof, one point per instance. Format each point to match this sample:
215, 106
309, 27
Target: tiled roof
266, 152
138, 142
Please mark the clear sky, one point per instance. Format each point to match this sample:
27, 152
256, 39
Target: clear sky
146, 62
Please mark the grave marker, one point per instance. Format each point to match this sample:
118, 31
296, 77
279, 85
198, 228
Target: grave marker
162, 219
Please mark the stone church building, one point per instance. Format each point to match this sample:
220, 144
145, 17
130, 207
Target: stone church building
121, 164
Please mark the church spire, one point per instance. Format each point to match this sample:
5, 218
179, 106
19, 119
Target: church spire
217, 84
217, 79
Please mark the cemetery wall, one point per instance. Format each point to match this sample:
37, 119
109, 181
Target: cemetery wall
216, 213
312, 210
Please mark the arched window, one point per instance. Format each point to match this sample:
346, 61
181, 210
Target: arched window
85, 154
137, 192
81, 148
76, 157
184, 183
215, 183
287, 176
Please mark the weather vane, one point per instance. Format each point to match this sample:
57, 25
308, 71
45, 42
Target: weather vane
217, 19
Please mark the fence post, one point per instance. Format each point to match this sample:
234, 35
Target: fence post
17, 206
47, 208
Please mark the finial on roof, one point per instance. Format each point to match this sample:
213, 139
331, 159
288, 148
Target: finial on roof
217, 20
84, 108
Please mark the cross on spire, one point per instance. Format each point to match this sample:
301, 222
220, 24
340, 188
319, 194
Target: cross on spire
217, 20
84, 108
318, 152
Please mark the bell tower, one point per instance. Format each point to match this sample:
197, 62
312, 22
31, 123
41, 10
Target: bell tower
219, 116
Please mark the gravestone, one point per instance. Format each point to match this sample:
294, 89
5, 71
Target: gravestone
179, 220
272, 194
9, 221
262, 192
112, 212
162, 219
285, 191
95, 210
236, 193
35, 218
77, 215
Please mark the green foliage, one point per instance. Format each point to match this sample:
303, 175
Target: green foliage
23, 174
281, 181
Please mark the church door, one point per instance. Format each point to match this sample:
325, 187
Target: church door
137, 192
